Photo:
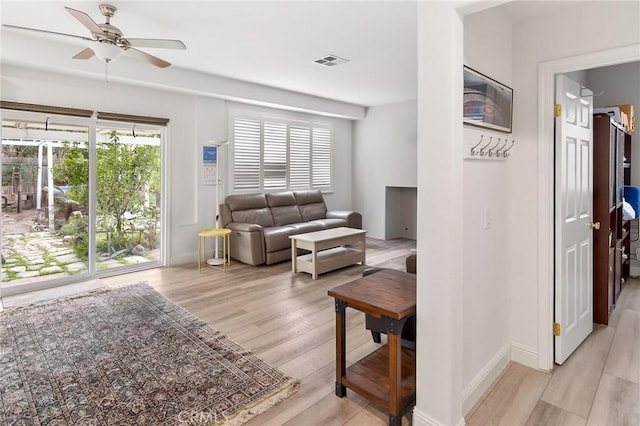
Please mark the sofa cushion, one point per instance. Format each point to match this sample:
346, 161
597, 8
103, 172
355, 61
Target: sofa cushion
304, 227
246, 202
277, 237
277, 199
311, 204
313, 211
331, 223
261, 216
285, 215
309, 196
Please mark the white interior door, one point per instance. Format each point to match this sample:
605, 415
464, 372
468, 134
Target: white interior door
574, 215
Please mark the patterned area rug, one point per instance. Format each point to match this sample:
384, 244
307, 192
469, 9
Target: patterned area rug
126, 356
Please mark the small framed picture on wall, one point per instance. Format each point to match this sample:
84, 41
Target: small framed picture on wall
487, 102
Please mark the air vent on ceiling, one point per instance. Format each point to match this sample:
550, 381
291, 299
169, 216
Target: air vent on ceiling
331, 60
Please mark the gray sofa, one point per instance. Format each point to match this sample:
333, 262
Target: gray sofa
262, 223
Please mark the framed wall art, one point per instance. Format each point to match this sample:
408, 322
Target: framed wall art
487, 102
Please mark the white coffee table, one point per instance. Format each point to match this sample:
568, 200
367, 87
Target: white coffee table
329, 250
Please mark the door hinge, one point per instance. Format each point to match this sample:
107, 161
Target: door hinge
557, 109
556, 329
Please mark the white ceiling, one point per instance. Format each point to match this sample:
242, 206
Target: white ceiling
265, 42
273, 43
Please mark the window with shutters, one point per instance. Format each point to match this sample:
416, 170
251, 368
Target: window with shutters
275, 154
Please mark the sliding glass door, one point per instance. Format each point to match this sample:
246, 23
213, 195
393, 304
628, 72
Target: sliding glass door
128, 195
80, 198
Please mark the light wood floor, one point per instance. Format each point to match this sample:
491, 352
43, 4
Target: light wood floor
288, 321
599, 385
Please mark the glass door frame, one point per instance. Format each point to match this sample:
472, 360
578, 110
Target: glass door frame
92, 124
164, 206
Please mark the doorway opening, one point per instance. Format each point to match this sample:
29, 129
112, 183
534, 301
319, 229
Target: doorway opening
546, 91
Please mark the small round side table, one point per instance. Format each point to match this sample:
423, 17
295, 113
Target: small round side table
226, 247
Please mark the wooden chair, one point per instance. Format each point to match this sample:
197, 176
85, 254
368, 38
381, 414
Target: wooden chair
8, 196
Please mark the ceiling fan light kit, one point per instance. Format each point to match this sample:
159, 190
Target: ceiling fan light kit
107, 42
106, 51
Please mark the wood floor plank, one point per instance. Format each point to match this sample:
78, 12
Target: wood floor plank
287, 320
624, 357
290, 321
372, 416
330, 410
513, 398
632, 298
550, 415
300, 344
616, 403
312, 389
358, 346
574, 384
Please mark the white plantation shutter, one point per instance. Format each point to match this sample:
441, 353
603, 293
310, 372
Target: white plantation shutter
299, 157
246, 154
321, 157
275, 156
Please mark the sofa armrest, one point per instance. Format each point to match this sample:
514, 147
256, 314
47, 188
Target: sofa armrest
247, 243
225, 216
354, 219
243, 227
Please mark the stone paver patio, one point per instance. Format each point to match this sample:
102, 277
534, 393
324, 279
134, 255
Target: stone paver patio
31, 254
38, 253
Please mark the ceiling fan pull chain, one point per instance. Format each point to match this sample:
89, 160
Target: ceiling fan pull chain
106, 71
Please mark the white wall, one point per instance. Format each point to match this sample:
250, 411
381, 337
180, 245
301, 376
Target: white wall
534, 41
485, 332
440, 261
384, 154
194, 119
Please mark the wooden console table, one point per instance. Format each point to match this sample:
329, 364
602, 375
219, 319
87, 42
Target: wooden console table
387, 376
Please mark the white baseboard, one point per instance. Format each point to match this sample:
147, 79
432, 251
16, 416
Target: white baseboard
421, 419
472, 393
525, 355
479, 385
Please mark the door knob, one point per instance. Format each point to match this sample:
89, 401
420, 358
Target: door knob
594, 225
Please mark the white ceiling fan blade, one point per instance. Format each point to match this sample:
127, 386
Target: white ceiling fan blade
86, 21
156, 43
15, 27
138, 54
85, 54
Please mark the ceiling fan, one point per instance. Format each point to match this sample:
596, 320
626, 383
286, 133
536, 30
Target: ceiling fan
107, 41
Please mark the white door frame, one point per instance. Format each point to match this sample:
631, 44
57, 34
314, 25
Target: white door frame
546, 194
